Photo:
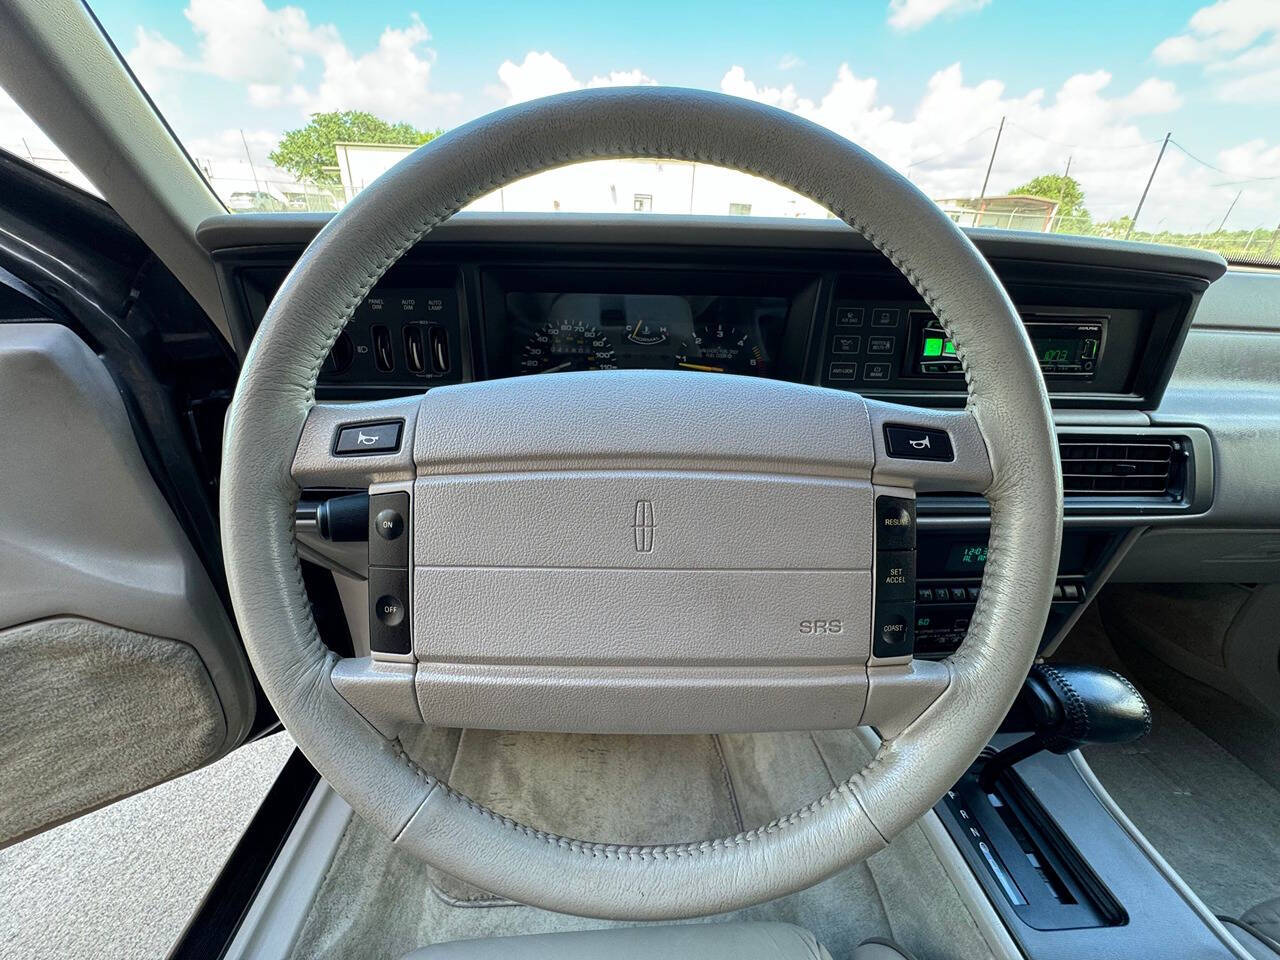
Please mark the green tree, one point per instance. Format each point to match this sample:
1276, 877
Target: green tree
1064, 190
308, 152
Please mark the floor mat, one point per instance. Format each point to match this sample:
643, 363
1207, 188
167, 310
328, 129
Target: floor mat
378, 902
634, 790
1214, 819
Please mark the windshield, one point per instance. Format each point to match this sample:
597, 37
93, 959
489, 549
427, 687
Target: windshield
1153, 122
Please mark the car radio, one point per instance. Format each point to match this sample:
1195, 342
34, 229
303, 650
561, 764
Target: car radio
949, 571
1064, 347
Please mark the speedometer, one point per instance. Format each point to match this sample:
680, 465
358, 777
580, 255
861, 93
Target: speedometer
569, 345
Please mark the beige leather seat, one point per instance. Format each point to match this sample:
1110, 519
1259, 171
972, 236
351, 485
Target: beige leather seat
703, 941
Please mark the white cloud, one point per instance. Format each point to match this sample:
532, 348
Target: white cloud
914, 14
789, 61
1238, 44
283, 59
391, 80
1150, 96
153, 58
248, 41
944, 141
541, 74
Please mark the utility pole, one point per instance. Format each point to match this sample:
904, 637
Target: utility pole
1062, 194
257, 187
990, 163
1228, 213
1274, 237
1143, 199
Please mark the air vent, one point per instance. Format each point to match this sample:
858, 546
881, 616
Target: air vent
1121, 466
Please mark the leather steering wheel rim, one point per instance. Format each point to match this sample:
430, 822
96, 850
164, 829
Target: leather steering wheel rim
276, 392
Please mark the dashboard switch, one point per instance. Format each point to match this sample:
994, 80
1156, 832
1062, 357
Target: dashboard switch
368, 438
918, 443
384, 356
438, 348
415, 349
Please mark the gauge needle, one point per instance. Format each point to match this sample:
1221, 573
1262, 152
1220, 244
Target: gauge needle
559, 366
701, 366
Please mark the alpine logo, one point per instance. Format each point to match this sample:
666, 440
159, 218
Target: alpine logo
643, 526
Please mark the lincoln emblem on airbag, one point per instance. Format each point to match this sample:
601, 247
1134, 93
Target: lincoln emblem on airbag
643, 526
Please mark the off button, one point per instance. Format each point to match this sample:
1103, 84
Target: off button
390, 610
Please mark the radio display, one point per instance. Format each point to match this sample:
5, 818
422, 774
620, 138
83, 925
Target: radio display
965, 557
1063, 348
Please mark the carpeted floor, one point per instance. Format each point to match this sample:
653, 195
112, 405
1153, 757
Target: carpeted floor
1210, 815
376, 902
121, 883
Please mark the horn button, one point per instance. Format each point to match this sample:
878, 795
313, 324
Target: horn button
642, 551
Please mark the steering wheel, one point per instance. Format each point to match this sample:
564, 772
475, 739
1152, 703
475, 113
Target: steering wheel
637, 551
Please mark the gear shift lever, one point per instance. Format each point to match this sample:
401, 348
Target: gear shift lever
1066, 706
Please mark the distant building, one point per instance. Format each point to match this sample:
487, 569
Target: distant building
1015, 212
607, 186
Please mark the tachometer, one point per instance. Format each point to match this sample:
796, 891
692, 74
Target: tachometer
725, 348
554, 347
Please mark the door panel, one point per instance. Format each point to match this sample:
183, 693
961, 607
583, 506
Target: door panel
119, 667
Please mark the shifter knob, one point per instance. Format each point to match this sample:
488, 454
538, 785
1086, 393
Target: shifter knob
1065, 706
1075, 704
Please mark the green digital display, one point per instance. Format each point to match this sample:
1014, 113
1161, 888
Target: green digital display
938, 347
967, 556
1077, 353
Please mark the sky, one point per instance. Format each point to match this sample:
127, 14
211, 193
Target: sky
921, 83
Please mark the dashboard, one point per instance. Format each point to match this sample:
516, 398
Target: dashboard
1105, 331
485, 297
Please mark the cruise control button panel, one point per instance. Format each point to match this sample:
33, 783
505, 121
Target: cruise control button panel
389, 618
895, 583
368, 438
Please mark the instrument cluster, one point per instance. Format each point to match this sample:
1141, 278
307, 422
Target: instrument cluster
555, 332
